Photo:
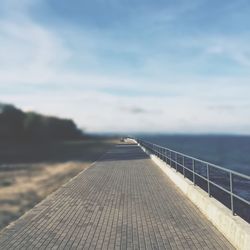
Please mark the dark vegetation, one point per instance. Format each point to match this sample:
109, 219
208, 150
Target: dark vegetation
37, 155
16, 125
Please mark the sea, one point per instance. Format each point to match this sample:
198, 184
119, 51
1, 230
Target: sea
228, 151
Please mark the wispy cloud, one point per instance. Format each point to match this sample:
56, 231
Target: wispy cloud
157, 71
102, 112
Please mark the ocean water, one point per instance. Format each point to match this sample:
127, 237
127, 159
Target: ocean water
232, 152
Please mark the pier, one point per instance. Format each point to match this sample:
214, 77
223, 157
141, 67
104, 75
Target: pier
123, 201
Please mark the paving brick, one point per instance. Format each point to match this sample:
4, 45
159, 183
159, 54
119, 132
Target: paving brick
123, 201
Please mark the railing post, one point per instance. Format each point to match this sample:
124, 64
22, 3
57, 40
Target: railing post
208, 181
176, 164
193, 171
183, 168
231, 190
170, 159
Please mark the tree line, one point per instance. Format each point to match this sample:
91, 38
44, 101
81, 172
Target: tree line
16, 125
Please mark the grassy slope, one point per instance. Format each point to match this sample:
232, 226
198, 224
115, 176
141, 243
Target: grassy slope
28, 173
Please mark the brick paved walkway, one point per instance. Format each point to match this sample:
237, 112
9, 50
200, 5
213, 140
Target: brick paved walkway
124, 201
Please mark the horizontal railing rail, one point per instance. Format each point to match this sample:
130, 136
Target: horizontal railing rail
229, 187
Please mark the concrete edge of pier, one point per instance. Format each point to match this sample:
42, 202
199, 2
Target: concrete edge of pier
235, 229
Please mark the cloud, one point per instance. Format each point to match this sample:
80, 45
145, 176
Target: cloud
228, 47
125, 79
102, 112
30, 45
137, 110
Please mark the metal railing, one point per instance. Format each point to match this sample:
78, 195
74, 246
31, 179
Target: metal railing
229, 187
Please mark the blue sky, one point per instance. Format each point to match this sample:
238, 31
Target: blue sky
128, 66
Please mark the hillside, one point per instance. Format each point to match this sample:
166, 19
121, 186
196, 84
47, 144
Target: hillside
17, 125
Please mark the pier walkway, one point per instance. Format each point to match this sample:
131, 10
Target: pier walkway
124, 201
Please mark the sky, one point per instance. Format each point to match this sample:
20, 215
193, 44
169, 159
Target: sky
164, 66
